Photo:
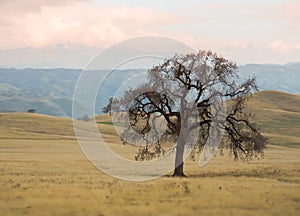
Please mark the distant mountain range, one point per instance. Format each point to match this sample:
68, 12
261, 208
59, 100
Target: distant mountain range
275, 77
50, 91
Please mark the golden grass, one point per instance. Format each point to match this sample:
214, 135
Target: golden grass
40, 125
54, 178
278, 116
43, 172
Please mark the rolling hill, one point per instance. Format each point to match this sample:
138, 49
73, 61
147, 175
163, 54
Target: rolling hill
276, 113
278, 116
34, 126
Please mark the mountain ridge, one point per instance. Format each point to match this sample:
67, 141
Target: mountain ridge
50, 91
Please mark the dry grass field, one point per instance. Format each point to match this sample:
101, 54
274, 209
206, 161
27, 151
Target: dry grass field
44, 172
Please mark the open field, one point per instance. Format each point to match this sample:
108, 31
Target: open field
54, 178
43, 172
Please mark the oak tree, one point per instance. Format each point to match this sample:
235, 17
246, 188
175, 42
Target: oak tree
186, 91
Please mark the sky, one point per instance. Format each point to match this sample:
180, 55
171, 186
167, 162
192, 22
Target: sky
245, 31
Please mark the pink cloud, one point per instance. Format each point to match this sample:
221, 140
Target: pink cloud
33, 5
281, 46
92, 26
242, 30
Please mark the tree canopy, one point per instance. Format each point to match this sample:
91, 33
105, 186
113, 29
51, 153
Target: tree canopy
192, 94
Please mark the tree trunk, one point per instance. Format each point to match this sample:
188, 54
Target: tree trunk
178, 171
183, 137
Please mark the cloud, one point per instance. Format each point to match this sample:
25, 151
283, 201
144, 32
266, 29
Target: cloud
281, 46
241, 30
92, 25
33, 5
18, 18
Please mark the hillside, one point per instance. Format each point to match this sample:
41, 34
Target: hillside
278, 116
34, 126
276, 113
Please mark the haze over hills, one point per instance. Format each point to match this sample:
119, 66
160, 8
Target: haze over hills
51, 56
275, 77
50, 91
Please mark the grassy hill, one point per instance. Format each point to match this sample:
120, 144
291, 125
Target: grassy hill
34, 126
276, 113
278, 116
